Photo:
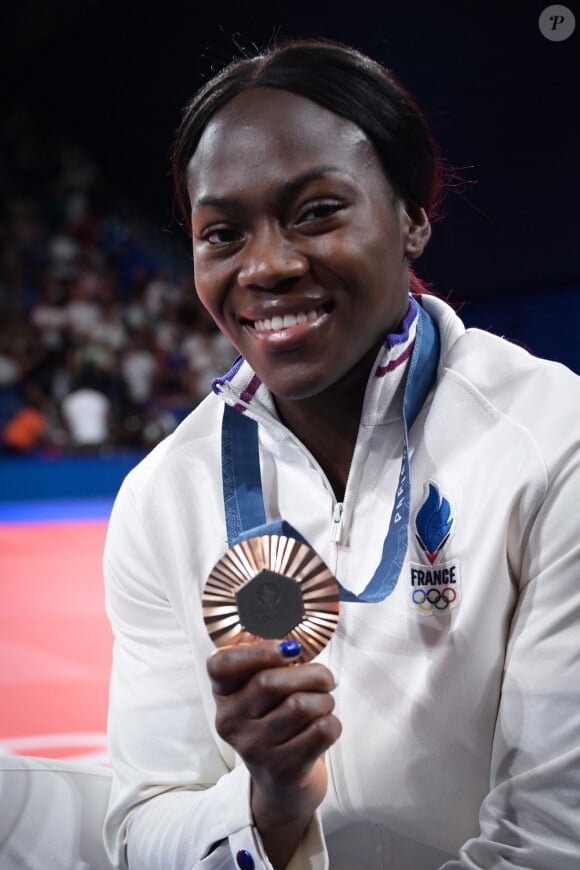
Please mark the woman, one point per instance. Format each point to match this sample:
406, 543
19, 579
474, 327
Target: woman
440, 726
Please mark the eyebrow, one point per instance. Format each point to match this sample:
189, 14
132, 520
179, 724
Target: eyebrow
289, 189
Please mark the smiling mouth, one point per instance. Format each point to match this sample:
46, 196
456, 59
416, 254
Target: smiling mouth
286, 321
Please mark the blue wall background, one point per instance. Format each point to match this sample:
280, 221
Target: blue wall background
72, 477
546, 322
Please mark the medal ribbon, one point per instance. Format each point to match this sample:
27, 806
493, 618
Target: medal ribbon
242, 485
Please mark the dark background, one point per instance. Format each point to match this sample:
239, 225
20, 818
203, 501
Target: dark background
503, 102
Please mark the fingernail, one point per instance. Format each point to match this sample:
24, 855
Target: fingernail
290, 648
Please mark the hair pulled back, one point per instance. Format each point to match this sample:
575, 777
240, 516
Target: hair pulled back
346, 82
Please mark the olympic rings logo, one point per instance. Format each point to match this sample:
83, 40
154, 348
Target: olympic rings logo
433, 598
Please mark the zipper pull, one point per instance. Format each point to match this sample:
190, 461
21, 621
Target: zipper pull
337, 522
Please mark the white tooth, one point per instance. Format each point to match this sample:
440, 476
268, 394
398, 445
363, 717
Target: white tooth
286, 321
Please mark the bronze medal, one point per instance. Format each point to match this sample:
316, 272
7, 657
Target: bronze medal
271, 587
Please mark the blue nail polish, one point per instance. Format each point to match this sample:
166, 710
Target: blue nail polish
290, 648
244, 860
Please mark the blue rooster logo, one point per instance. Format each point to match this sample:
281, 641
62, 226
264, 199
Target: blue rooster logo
433, 523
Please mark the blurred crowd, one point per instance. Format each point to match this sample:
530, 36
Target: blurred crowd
103, 344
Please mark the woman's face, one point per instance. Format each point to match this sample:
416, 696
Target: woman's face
298, 241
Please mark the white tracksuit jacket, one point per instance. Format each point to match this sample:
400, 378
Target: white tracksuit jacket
459, 695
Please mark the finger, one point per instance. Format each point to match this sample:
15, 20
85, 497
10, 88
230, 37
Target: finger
287, 763
295, 714
279, 724
262, 717
267, 689
230, 668
285, 695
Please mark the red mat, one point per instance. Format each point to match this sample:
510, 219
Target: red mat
55, 640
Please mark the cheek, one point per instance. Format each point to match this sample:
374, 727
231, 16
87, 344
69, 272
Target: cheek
366, 264
212, 302
207, 285
371, 242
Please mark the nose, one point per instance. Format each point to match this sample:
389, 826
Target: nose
269, 258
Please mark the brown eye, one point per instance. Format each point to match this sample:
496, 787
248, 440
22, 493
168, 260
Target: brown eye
319, 211
220, 236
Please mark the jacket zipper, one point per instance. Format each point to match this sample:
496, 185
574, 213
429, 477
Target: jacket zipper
336, 530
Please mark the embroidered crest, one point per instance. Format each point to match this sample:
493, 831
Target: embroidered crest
434, 588
433, 523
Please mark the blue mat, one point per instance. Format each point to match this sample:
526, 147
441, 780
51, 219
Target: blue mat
57, 510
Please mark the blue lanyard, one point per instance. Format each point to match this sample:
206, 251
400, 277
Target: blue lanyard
242, 485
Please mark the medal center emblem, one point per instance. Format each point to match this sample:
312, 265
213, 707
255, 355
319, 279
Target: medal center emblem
270, 604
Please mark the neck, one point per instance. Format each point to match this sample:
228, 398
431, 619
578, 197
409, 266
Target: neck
328, 423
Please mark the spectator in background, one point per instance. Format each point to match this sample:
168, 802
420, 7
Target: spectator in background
139, 366
27, 428
50, 317
63, 252
9, 364
160, 294
86, 410
83, 309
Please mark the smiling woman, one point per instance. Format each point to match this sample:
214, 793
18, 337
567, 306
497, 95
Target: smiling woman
372, 477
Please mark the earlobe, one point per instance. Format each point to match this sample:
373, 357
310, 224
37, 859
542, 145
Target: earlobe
418, 231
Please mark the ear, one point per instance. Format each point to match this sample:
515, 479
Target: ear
417, 228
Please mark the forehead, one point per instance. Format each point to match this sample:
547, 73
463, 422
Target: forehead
265, 130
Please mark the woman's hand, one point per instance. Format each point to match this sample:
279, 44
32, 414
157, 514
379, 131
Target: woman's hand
279, 719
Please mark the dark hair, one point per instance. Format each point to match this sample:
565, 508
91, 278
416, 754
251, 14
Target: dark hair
346, 82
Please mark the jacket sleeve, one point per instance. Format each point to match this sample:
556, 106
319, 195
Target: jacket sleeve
531, 816
179, 799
